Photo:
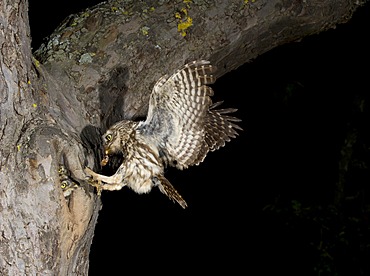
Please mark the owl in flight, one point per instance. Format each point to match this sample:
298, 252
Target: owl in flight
181, 127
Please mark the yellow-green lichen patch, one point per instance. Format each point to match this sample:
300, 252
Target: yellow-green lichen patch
145, 30
80, 18
36, 62
184, 21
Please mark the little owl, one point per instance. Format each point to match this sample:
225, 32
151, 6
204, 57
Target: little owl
181, 127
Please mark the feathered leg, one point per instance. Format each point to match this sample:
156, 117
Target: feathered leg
113, 182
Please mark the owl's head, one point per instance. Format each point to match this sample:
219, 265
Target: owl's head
68, 186
115, 138
66, 182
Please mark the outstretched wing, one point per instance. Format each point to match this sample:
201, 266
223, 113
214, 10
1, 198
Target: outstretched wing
182, 122
177, 113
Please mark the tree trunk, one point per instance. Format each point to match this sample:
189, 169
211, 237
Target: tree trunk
98, 67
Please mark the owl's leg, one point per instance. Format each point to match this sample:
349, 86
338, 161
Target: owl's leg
166, 188
113, 182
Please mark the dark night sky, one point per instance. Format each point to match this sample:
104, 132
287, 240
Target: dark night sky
289, 149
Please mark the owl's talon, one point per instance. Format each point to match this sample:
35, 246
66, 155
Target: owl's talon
97, 184
94, 180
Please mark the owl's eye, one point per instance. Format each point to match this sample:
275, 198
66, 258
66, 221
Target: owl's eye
63, 185
108, 137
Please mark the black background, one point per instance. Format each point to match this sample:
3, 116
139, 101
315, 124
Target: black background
296, 103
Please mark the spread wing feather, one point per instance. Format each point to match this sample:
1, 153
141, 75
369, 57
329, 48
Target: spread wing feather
181, 119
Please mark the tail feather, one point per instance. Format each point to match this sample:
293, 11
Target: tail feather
166, 188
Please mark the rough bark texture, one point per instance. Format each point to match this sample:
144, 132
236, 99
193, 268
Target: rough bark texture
98, 67
41, 232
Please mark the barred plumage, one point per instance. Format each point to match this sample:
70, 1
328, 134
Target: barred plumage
181, 127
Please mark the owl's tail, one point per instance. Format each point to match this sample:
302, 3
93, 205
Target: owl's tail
166, 188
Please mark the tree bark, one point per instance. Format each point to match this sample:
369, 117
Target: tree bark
98, 67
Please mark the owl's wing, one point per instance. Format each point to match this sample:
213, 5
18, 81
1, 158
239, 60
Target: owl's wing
177, 114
